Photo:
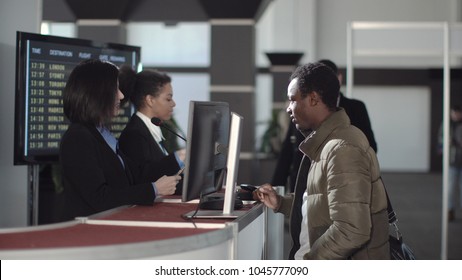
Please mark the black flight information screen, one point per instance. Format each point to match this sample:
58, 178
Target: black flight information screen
44, 64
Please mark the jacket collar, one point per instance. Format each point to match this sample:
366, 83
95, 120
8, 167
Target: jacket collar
316, 138
94, 131
155, 130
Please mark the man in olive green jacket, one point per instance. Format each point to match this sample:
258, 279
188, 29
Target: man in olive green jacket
340, 209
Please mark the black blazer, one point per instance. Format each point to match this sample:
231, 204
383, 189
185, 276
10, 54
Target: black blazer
289, 159
137, 143
93, 175
357, 112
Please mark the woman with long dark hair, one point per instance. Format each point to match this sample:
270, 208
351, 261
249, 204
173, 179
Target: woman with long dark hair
96, 175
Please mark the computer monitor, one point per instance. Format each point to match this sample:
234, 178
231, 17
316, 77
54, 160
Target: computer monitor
43, 65
206, 149
203, 182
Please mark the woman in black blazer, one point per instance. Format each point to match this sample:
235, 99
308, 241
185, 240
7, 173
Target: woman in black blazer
96, 177
151, 93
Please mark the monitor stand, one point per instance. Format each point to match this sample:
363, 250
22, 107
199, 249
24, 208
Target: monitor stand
212, 207
217, 202
213, 214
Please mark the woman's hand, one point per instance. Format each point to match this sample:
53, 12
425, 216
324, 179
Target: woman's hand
166, 185
181, 154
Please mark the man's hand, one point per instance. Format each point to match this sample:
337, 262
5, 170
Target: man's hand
267, 195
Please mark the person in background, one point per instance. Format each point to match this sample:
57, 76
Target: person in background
96, 177
355, 109
151, 93
290, 157
455, 158
339, 208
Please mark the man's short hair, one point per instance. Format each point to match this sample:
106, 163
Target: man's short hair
319, 78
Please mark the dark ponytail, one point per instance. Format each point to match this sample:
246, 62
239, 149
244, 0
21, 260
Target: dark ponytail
135, 86
127, 82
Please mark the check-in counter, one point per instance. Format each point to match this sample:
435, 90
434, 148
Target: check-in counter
151, 232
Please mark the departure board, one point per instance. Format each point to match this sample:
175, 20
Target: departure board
44, 64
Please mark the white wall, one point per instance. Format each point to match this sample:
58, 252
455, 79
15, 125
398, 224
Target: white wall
333, 16
187, 87
318, 27
183, 44
401, 122
287, 26
15, 15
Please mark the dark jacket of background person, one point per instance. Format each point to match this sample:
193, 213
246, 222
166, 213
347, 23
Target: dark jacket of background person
94, 177
136, 140
359, 117
289, 159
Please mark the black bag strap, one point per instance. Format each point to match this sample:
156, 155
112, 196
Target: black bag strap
392, 218
391, 213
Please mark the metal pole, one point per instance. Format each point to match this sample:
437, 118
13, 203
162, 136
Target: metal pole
446, 108
265, 233
33, 194
349, 71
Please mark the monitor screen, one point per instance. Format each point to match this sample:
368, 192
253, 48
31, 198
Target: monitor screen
206, 151
232, 164
43, 65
